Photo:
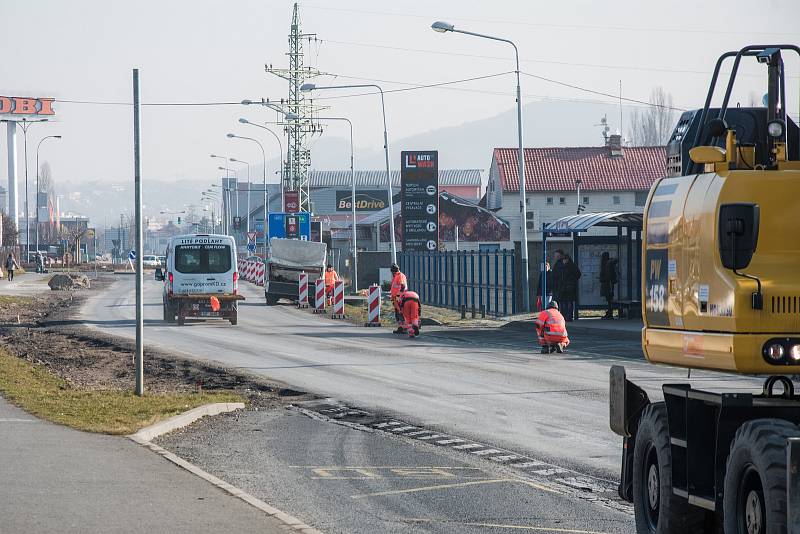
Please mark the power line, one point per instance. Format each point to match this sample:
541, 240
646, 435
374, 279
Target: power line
703, 31
112, 103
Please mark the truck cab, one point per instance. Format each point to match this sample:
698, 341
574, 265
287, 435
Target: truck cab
200, 278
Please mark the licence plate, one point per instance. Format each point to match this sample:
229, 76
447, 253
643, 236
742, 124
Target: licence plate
209, 314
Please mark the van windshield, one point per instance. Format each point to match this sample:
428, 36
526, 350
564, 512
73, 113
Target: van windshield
213, 259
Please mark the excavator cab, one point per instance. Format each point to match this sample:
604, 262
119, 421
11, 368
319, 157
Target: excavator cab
721, 275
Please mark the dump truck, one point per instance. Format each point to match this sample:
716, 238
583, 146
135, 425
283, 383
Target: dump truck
721, 275
287, 259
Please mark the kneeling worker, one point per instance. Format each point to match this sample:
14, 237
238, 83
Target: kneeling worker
409, 303
551, 329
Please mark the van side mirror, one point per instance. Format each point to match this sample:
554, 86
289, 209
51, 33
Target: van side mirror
738, 234
159, 274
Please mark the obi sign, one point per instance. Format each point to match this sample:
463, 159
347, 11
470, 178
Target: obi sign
23, 105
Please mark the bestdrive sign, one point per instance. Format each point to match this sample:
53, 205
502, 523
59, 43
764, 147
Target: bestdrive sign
370, 200
26, 105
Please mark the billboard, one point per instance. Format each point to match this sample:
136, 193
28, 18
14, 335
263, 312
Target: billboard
366, 200
419, 200
25, 105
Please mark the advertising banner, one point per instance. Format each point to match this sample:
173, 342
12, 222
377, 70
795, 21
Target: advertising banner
366, 200
419, 200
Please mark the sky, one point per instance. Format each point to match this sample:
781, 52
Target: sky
202, 51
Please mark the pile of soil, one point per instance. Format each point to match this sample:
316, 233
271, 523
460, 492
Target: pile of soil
51, 335
68, 282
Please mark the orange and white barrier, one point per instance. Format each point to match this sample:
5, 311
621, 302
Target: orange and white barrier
338, 300
260, 271
302, 290
319, 296
374, 306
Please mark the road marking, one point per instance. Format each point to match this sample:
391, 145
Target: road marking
534, 528
469, 446
486, 452
430, 488
402, 428
449, 441
12, 420
433, 436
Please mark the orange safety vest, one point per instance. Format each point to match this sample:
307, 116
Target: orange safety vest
398, 280
551, 327
330, 277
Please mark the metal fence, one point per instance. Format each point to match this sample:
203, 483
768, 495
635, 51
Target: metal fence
476, 280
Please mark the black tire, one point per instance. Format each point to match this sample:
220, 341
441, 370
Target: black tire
755, 478
169, 313
270, 300
234, 320
656, 508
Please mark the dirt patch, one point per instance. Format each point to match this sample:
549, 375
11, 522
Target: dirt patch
48, 334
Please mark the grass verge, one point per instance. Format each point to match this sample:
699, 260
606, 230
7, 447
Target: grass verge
41, 393
13, 300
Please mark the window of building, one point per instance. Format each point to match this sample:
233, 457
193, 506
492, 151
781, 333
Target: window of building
489, 247
585, 200
641, 198
616, 199
562, 200
549, 201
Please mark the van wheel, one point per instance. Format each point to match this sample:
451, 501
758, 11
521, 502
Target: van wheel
755, 478
169, 313
234, 320
656, 508
181, 320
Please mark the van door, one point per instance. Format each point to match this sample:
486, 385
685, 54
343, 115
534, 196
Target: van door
204, 268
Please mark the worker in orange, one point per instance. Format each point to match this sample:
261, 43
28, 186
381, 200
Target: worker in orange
551, 328
399, 283
411, 307
331, 276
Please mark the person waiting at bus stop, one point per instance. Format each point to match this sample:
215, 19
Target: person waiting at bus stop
399, 283
411, 309
551, 329
331, 276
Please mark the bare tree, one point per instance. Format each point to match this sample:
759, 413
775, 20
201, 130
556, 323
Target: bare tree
9, 231
654, 125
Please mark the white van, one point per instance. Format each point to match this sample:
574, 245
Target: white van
201, 278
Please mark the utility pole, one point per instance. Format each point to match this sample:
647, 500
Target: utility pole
139, 356
301, 126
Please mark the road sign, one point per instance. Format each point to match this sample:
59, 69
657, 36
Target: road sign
419, 186
251, 247
251, 236
132, 255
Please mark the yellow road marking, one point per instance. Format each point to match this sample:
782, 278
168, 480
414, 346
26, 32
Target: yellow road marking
430, 488
501, 525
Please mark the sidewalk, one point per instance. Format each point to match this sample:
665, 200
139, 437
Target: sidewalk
24, 284
55, 479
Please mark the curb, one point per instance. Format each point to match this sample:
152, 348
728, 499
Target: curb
183, 419
144, 436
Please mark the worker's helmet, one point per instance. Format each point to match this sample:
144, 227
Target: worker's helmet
330, 266
394, 268
553, 305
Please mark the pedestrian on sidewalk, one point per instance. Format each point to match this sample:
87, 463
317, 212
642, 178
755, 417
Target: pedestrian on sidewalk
11, 264
608, 279
565, 284
551, 329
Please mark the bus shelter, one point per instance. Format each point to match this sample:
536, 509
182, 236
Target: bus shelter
627, 242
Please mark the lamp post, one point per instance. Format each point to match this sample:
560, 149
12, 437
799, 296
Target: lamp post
211, 196
311, 87
37, 188
224, 200
352, 193
444, 27
25, 124
266, 193
247, 211
280, 148
230, 190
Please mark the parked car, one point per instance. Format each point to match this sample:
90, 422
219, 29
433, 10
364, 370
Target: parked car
150, 262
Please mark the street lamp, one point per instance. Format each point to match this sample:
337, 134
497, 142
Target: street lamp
24, 124
247, 211
443, 27
37, 185
306, 87
292, 116
266, 192
213, 197
280, 147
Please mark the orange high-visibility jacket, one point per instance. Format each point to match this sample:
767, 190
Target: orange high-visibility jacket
330, 277
398, 281
551, 327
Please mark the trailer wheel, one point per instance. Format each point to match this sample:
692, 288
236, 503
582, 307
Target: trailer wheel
271, 300
656, 508
755, 478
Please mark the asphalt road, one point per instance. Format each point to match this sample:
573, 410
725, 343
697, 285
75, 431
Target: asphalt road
344, 480
491, 386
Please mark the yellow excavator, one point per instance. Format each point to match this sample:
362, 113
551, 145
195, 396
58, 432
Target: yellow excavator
721, 275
